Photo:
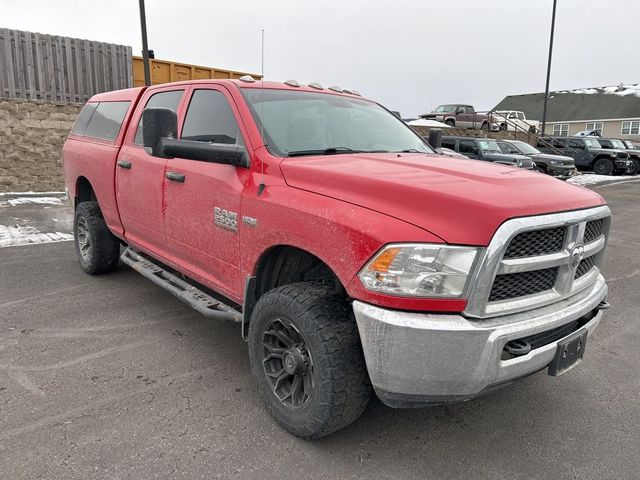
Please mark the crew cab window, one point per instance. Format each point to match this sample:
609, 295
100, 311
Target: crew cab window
83, 118
210, 119
574, 144
450, 144
169, 100
106, 120
462, 110
467, 146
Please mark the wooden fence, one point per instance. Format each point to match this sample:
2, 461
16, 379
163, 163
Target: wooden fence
48, 67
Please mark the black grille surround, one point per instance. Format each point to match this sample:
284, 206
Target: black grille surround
513, 285
586, 264
536, 242
593, 230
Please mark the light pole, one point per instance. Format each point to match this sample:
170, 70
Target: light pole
145, 47
546, 89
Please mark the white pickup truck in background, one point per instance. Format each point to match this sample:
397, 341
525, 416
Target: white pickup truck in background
511, 120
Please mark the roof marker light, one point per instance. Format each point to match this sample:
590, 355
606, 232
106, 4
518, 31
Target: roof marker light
336, 89
317, 86
247, 78
292, 83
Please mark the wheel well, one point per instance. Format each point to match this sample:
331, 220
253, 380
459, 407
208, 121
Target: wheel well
84, 191
285, 264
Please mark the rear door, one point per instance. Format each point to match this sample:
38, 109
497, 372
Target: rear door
140, 179
469, 148
579, 152
203, 200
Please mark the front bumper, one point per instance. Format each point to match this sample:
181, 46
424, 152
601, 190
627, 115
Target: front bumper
416, 358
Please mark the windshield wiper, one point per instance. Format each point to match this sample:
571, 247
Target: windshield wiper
330, 151
409, 150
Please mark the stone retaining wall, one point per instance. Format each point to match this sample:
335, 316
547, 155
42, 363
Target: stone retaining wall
31, 138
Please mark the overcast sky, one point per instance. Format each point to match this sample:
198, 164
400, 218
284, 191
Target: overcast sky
411, 55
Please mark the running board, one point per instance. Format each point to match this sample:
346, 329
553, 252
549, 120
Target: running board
192, 296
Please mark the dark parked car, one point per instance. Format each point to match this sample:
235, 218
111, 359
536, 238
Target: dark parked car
616, 144
588, 154
557, 166
485, 149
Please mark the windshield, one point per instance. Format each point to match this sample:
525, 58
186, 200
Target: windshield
446, 108
591, 143
489, 146
525, 148
618, 144
307, 123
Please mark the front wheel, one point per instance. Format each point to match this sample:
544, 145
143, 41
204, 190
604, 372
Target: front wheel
97, 249
484, 127
603, 166
634, 169
307, 359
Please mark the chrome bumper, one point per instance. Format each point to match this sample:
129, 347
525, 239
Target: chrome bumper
415, 358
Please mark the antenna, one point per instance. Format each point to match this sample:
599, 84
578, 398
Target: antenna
264, 144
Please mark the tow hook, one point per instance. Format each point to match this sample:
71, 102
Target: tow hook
517, 347
603, 305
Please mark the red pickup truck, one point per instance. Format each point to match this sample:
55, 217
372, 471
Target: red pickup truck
353, 257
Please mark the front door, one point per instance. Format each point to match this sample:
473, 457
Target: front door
140, 178
203, 200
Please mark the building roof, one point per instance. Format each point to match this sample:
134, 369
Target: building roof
598, 103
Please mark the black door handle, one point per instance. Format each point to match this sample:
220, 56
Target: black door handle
124, 164
175, 176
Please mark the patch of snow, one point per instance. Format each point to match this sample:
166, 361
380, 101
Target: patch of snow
34, 200
425, 122
3, 194
590, 179
25, 235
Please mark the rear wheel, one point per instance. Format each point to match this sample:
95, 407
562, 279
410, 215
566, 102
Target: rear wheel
603, 166
307, 359
97, 249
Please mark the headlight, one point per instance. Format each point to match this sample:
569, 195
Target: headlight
419, 270
557, 163
518, 162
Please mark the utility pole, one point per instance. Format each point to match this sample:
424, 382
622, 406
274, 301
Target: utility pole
546, 89
145, 46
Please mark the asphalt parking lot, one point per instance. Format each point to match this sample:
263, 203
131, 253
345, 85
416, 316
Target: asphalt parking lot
109, 377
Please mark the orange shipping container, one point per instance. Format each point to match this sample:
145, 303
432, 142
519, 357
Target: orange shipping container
164, 71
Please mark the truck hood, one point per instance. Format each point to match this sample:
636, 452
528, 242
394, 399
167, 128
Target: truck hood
461, 201
509, 157
539, 157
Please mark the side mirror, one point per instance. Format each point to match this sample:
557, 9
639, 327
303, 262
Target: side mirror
435, 138
158, 124
159, 132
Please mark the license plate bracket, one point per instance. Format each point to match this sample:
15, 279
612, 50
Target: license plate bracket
569, 353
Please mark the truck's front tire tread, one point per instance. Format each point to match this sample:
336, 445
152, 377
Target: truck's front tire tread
342, 389
105, 247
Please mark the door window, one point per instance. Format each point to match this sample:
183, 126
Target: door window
210, 119
468, 147
450, 144
169, 100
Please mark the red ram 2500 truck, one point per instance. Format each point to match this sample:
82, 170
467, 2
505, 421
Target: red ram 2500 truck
352, 255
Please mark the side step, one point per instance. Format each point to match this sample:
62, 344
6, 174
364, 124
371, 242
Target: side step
195, 298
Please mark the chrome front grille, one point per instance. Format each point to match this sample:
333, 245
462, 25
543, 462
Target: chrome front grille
585, 266
536, 242
512, 285
535, 261
593, 230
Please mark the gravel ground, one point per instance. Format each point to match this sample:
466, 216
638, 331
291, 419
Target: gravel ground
109, 377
